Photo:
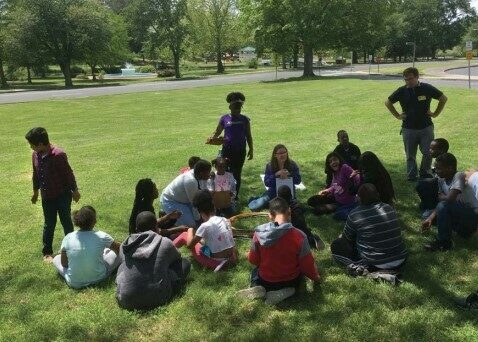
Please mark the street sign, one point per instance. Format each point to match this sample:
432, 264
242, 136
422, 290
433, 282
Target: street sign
469, 55
469, 45
370, 58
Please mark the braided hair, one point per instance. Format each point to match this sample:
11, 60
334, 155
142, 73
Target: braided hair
145, 194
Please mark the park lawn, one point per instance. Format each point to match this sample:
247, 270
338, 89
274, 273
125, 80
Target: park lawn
113, 141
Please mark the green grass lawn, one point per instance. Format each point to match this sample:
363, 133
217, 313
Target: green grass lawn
113, 141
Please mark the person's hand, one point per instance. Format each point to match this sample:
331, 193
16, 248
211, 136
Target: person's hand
442, 197
35, 196
76, 196
174, 215
431, 114
354, 173
283, 173
183, 228
401, 116
250, 154
324, 192
426, 225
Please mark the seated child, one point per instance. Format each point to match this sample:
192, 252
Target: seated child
152, 271
281, 255
372, 237
427, 188
191, 162
297, 217
349, 152
372, 171
87, 256
457, 209
337, 198
218, 248
221, 181
145, 194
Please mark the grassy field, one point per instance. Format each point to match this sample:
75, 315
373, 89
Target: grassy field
114, 141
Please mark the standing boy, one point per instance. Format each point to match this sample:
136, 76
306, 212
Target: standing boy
281, 255
417, 126
457, 209
53, 176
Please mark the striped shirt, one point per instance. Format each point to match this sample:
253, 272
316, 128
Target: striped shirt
375, 232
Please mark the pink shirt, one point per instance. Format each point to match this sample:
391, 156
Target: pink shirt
340, 185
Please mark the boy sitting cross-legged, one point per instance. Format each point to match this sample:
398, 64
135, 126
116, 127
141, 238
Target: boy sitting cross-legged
282, 256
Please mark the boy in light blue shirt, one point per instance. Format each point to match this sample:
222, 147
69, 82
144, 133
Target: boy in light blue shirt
87, 256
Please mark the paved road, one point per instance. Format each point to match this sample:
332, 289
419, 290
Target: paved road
464, 71
360, 72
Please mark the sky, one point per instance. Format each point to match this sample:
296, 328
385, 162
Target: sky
474, 3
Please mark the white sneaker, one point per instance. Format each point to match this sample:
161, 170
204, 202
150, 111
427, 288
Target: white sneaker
252, 292
274, 297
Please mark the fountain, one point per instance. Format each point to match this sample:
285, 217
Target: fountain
129, 70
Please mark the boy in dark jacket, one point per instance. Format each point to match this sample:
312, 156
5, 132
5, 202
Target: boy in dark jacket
282, 256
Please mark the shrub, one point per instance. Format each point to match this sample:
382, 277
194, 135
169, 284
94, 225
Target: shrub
146, 68
252, 63
16, 74
111, 69
83, 76
76, 70
166, 73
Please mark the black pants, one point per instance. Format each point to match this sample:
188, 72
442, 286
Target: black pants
51, 207
427, 190
236, 159
181, 268
256, 280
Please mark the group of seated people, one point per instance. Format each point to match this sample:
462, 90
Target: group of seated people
358, 190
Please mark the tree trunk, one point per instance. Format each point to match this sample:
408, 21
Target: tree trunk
296, 56
177, 74
65, 69
354, 57
284, 63
220, 66
3, 79
93, 72
308, 61
29, 75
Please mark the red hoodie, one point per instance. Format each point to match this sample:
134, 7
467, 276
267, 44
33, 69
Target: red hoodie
282, 253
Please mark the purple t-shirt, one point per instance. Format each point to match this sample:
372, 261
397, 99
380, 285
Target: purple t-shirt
340, 185
234, 130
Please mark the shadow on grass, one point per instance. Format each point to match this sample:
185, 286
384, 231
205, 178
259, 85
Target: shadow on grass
364, 77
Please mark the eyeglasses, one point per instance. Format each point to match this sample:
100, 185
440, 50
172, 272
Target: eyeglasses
281, 153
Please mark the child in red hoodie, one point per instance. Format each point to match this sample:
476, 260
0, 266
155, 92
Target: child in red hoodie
282, 256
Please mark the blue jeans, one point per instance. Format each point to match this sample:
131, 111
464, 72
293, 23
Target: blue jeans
454, 216
51, 207
187, 217
260, 202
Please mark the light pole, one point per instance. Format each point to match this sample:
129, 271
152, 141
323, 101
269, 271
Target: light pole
414, 49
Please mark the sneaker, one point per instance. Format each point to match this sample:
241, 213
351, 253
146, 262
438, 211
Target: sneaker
275, 297
426, 213
468, 303
318, 243
439, 246
48, 258
252, 292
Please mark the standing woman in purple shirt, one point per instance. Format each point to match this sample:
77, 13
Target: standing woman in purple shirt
237, 132
53, 176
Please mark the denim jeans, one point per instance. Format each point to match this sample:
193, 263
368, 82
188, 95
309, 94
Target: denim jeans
454, 216
260, 202
427, 190
187, 217
412, 139
51, 207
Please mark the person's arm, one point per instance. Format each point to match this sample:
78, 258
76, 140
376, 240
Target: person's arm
441, 104
427, 224
35, 181
391, 109
308, 268
191, 239
218, 130
172, 230
115, 247
233, 183
65, 168
296, 177
254, 256
451, 197
64, 258
269, 176
250, 154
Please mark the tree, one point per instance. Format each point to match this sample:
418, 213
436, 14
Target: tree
4, 9
168, 26
65, 28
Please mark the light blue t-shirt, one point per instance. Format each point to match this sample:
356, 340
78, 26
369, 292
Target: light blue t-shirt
85, 257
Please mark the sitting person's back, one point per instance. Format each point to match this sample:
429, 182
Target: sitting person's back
152, 270
372, 236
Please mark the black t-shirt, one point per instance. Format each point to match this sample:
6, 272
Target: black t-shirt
350, 156
415, 103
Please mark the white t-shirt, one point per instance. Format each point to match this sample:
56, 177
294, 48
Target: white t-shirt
457, 183
183, 188
225, 182
470, 192
84, 250
217, 234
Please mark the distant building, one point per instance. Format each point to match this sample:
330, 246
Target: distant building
247, 53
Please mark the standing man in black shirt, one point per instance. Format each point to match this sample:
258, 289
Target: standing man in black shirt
416, 116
